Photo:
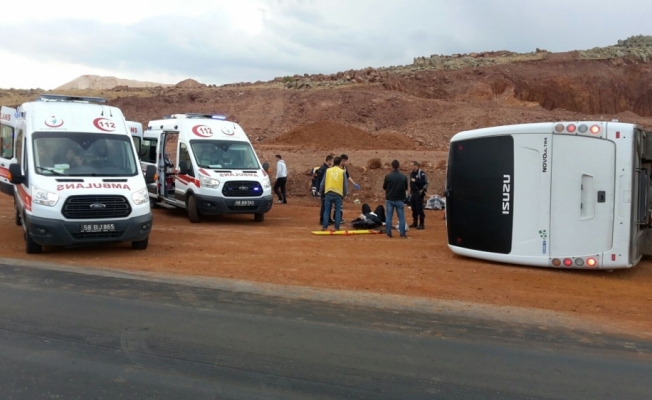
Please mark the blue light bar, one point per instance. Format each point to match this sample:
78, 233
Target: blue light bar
219, 116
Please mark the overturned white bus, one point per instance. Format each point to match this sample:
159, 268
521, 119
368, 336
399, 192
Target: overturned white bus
566, 194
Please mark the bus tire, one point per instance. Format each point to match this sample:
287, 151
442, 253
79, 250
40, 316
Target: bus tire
259, 217
31, 247
140, 244
193, 212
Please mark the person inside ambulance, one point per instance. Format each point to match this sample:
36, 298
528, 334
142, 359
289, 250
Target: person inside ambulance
73, 158
45, 157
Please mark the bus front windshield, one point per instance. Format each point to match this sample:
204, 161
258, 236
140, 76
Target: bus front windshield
219, 154
84, 154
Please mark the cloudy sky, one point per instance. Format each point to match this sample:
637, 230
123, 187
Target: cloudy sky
46, 43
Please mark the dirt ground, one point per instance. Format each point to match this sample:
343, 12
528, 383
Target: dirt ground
282, 250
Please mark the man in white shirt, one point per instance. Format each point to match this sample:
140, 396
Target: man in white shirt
281, 180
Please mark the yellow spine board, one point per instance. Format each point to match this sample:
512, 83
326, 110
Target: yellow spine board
347, 233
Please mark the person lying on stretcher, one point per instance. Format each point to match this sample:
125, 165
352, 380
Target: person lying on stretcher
368, 219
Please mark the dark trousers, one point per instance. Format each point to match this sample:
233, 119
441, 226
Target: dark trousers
279, 189
416, 202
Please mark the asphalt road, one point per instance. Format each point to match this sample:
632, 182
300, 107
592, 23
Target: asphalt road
66, 335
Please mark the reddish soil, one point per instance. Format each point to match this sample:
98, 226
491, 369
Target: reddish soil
326, 135
282, 250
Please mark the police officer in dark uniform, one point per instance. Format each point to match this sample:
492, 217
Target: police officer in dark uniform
418, 186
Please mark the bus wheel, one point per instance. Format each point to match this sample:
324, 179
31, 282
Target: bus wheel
140, 244
259, 217
31, 247
18, 219
193, 212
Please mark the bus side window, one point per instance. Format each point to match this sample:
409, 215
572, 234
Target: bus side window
7, 141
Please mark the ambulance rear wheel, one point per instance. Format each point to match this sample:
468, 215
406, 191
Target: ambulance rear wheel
31, 247
193, 212
140, 244
153, 203
259, 217
18, 220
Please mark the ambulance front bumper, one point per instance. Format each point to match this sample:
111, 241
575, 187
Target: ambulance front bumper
208, 205
53, 232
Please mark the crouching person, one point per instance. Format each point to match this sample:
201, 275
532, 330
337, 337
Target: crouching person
369, 219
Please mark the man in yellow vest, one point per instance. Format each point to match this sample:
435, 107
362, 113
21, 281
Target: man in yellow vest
334, 188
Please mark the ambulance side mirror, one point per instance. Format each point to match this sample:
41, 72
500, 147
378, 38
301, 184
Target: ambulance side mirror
17, 176
150, 174
183, 168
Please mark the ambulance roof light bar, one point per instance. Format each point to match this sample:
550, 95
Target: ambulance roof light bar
196, 115
64, 97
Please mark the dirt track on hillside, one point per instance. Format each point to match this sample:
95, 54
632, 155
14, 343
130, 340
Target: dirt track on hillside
282, 250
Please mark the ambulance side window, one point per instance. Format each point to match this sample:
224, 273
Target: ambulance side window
26, 173
184, 155
19, 148
7, 141
148, 151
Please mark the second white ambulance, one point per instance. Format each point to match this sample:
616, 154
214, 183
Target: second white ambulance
205, 165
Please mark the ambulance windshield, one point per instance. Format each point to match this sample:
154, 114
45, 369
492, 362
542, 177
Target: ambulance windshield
218, 154
84, 154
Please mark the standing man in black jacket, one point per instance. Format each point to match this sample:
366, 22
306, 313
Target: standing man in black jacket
396, 187
418, 185
319, 176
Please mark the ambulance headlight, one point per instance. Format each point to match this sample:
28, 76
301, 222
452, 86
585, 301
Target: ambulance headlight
40, 196
267, 183
209, 182
140, 196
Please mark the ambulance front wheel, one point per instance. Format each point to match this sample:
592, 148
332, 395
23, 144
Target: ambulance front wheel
193, 212
259, 217
31, 247
140, 244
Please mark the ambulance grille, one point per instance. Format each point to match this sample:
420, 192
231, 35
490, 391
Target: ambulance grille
96, 207
242, 189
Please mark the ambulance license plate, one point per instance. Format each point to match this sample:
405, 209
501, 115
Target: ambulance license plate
244, 203
95, 228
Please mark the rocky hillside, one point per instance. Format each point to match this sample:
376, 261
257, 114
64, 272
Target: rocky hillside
95, 82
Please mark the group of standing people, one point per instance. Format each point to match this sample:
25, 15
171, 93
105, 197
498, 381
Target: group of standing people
332, 179
331, 182
397, 186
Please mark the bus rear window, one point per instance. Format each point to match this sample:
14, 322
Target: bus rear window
480, 194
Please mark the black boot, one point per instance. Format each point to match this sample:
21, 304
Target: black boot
421, 223
414, 223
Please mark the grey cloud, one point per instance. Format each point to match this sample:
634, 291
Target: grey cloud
326, 36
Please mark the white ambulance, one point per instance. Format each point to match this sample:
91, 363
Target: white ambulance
136, 132
205, 165
76, 175
8, 120
563, 195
